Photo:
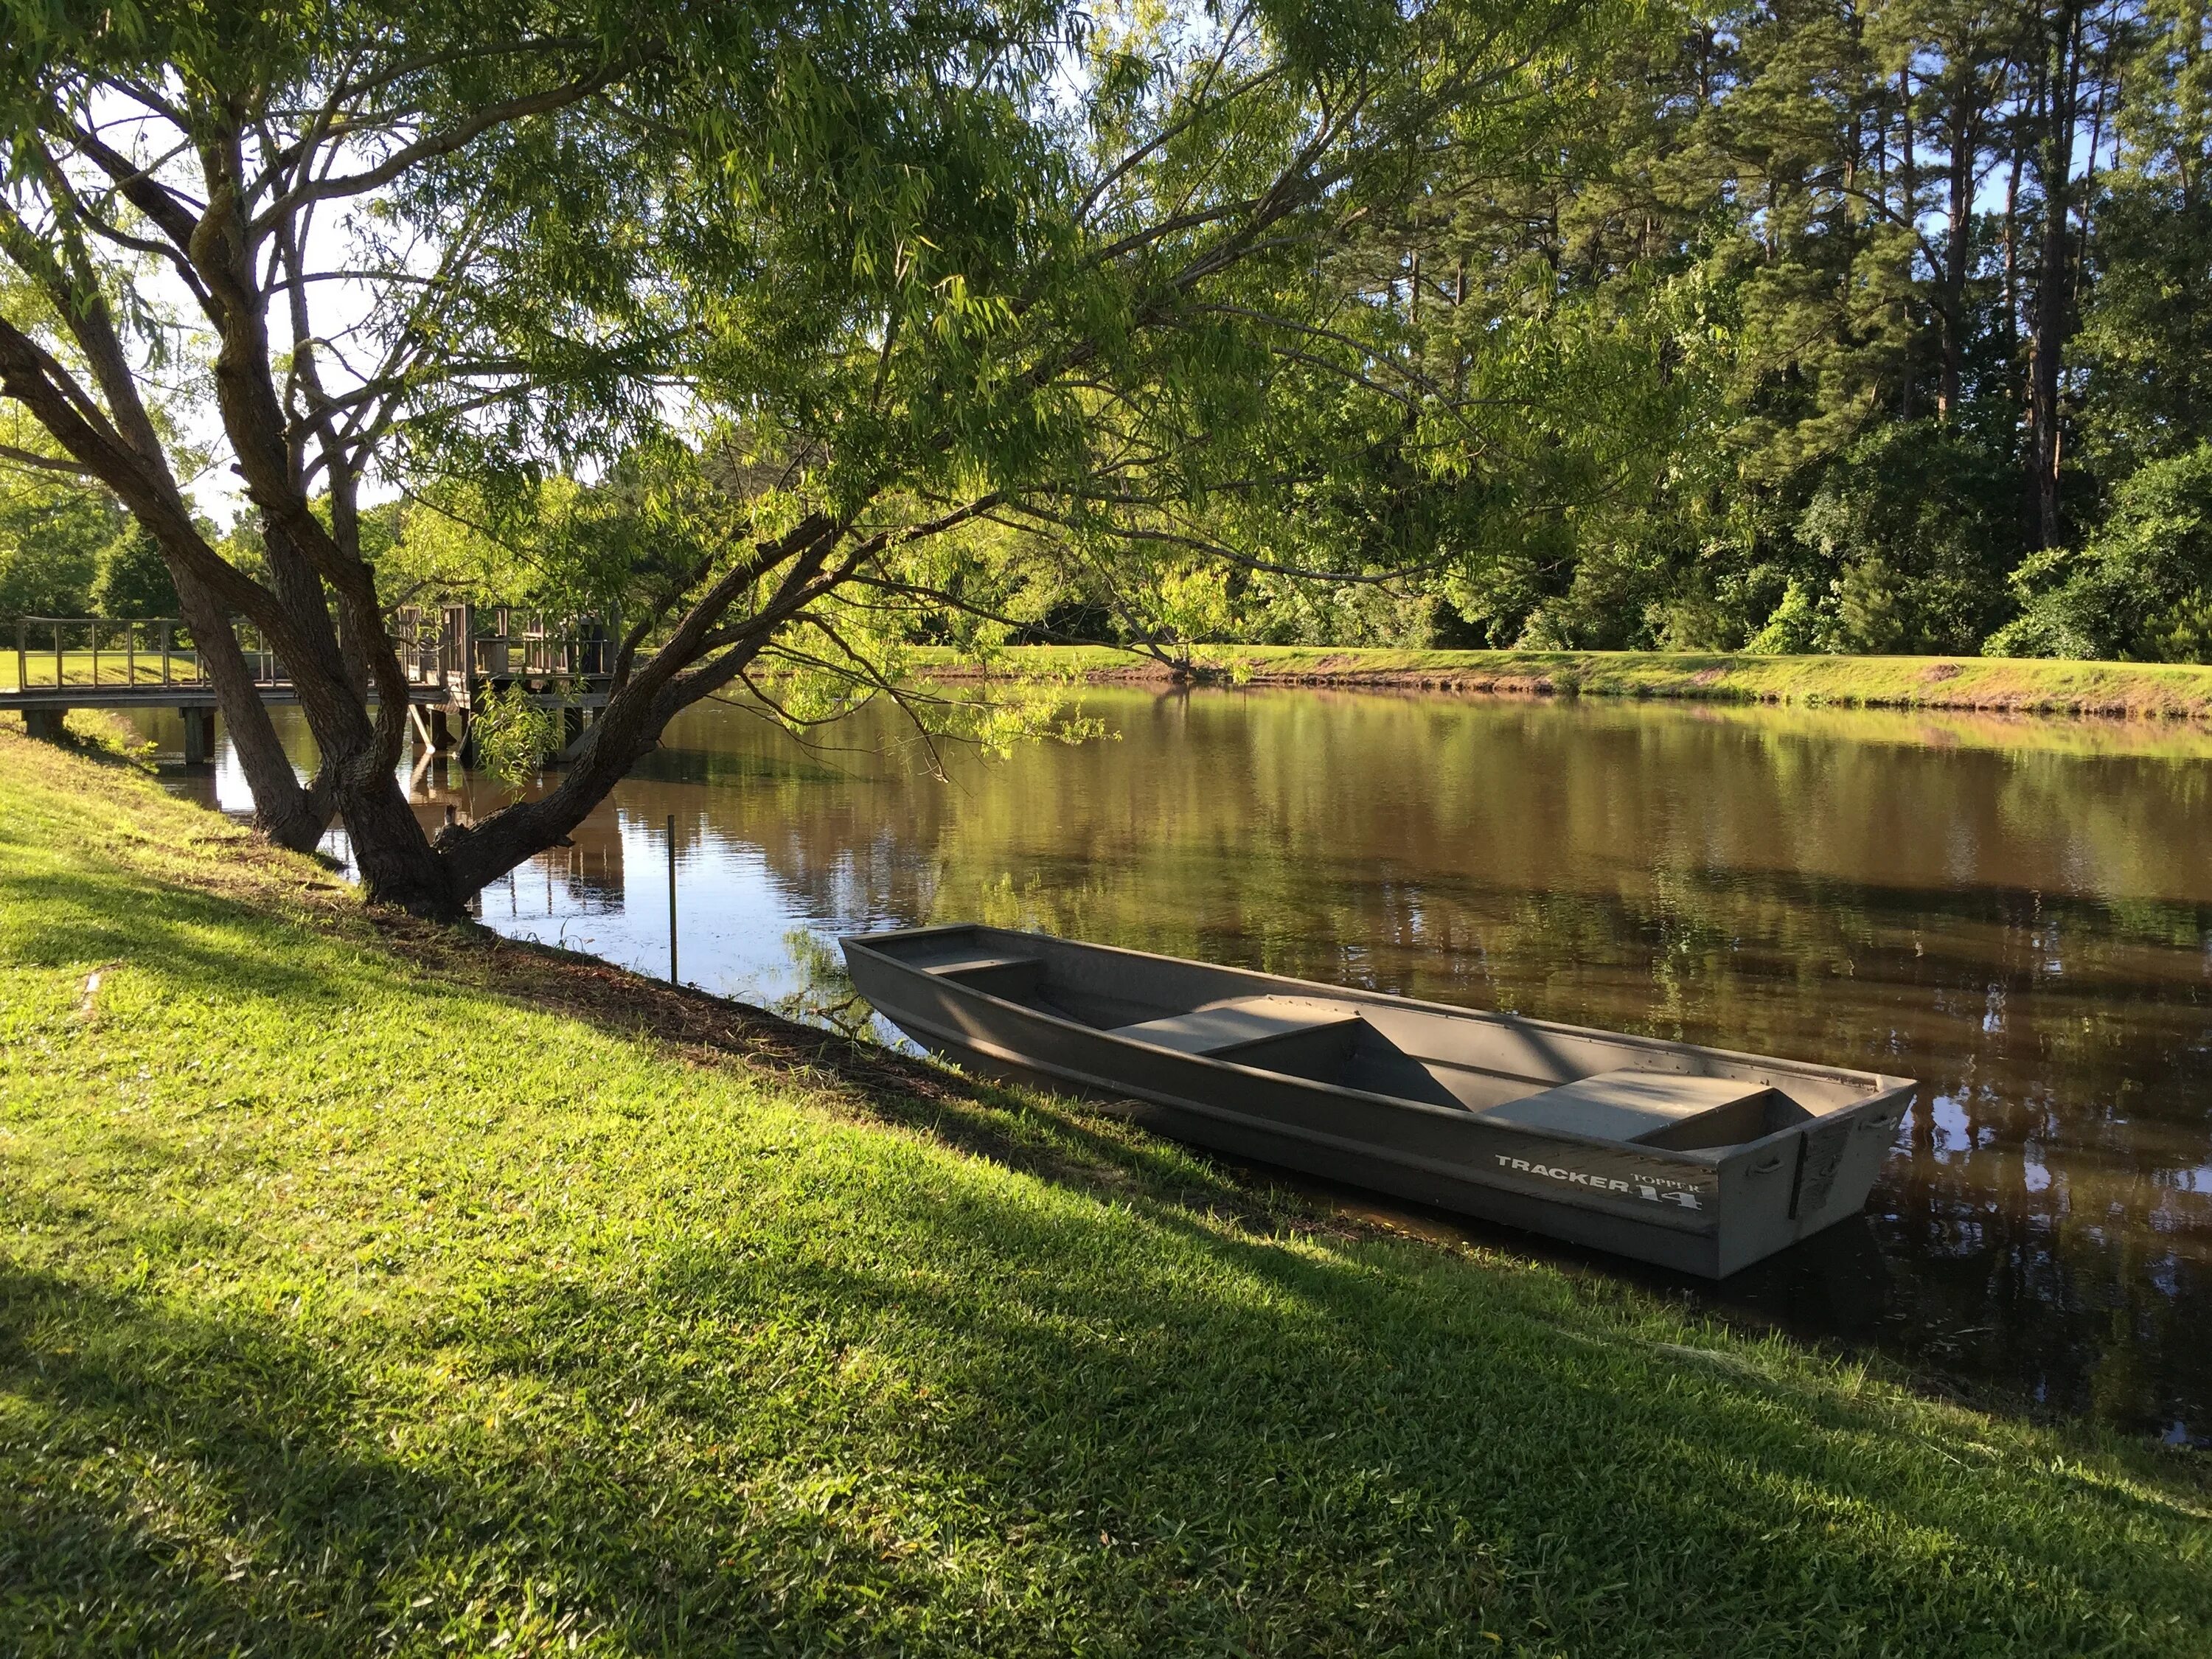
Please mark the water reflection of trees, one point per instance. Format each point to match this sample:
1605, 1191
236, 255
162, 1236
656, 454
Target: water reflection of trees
2024, 928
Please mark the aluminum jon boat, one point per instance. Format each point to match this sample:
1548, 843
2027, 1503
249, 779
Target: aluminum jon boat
1692, 1158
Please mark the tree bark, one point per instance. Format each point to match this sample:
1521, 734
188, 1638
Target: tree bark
2011, 270
307, 565
2051, 313
283, 810
1908, 177
1952, 313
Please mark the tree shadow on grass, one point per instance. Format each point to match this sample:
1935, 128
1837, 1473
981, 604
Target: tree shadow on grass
170, 1475
1405, 1446
171, 1482
1094, 1145
988, 1413
88, 916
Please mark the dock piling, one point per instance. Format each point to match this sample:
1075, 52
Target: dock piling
199, 735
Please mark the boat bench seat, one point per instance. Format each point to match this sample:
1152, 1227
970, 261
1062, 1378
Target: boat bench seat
994, 972
1237, 1022
1633, 1105
977, 962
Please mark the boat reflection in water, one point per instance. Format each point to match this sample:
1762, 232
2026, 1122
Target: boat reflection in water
2016, 912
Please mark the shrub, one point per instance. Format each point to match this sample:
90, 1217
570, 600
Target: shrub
515, 736
1918, 525
2141, 588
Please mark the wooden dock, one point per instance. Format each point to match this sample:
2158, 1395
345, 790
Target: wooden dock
454, 656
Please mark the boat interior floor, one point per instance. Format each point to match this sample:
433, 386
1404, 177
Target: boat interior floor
1317, 1040
1654, 1109
1301, 1036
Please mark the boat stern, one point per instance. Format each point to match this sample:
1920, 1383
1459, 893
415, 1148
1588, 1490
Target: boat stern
1788, 1186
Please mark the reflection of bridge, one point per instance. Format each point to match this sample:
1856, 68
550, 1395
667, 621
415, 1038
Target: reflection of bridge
454, 656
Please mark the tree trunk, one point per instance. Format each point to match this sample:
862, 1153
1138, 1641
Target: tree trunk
1908, 177
397, 863
2011, 270
312, 567
1953, 312
640, 708
395, 859
283, 810
2051, 319
473, 857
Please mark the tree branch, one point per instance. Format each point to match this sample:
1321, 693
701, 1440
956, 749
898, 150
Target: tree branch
456, 137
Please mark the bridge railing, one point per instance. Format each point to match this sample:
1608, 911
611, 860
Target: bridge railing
440, 645
116, 653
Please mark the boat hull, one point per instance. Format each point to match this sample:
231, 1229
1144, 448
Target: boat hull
1704, 1213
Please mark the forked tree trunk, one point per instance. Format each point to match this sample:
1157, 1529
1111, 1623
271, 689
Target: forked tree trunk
397, 862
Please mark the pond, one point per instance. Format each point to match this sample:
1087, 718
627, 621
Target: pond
2016, 912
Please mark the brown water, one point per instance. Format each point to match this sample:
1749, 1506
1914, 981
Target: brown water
2018, 912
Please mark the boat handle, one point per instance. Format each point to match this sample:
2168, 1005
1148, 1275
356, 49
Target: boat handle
1769, 1167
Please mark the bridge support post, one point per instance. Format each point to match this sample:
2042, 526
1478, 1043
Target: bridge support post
45, 724
442, 730
199, 736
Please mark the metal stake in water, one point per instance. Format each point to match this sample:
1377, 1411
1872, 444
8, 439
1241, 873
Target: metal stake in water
671, 898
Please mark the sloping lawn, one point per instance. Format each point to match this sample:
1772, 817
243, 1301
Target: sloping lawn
364, 1288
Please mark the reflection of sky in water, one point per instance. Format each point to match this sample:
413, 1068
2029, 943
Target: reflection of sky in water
1953, 1133
734, 944
735, 921
2026, 928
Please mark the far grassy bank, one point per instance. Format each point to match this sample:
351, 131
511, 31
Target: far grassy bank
2038, 685
366, 1286
2003, 685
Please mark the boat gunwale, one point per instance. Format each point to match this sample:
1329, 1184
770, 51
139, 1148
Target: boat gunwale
1885, 1087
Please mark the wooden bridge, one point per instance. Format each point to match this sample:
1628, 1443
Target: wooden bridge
454, 656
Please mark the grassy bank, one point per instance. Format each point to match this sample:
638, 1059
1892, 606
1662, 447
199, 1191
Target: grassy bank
2013, 684
366, 1286
2023, 685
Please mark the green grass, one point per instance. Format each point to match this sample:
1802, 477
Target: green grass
364, 1287
2017, 685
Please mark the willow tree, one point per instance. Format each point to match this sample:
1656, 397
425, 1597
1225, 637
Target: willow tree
828, 290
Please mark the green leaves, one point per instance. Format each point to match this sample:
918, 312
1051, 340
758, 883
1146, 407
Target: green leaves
2142, 587
515, 736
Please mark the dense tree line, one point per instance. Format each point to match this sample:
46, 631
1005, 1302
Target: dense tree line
1893, 313
1806, 326
68, 551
